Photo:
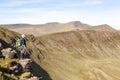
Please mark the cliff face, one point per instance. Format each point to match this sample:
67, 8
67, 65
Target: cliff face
74, 55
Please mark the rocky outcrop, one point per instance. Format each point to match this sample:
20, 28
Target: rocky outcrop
20, 67
8, 53
26, 64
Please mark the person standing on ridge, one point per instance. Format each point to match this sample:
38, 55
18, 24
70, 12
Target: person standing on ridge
23, 47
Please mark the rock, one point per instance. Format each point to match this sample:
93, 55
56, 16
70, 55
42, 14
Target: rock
8, 53
14, 68
32, 78
26, 64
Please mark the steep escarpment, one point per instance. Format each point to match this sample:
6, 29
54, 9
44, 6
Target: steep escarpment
80, 55
88, 42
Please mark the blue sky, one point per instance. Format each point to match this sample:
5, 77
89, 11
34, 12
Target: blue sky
93, 12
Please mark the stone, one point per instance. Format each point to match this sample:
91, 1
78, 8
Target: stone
8, 53
26, 64
31, 78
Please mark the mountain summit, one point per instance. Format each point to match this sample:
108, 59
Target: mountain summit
78, 24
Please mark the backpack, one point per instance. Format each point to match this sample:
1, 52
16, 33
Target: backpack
18, 43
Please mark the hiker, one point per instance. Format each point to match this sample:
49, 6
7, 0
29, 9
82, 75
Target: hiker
23, 47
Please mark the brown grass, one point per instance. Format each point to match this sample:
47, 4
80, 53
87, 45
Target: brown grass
77, 55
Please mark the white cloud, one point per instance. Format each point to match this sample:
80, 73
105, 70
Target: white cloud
27, 2
92, 2
15, 3
28, 10
84, 3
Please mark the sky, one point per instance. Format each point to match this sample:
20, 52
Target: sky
93, 12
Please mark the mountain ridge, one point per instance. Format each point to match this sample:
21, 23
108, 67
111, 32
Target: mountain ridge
54, 27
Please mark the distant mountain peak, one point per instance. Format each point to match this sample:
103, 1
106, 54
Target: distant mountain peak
78, 24
75, 22
103, 27
49, 23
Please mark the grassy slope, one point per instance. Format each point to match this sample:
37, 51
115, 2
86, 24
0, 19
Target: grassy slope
75, 55
81, 55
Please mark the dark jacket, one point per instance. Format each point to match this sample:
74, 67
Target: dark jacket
23, 41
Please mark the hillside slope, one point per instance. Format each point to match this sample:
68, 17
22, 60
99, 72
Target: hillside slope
103, 27
73, 55
81, 55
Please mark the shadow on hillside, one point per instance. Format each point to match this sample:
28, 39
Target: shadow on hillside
38, 71
4, 44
